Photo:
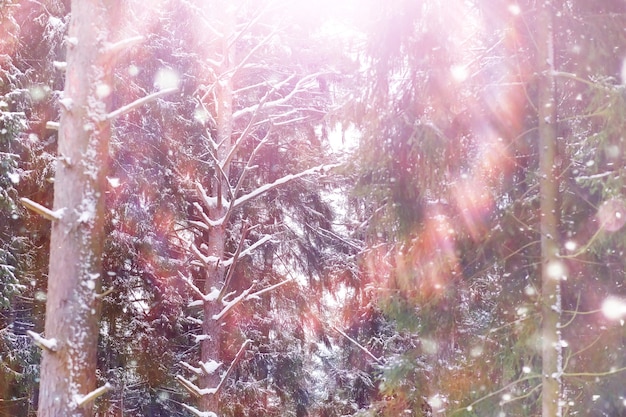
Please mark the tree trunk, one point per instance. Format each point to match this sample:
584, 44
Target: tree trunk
72, 311
552, 270
223, 114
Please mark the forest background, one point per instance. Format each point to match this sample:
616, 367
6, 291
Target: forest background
286, 208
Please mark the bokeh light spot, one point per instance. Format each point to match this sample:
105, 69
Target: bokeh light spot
612, 215
614, 308
166, 78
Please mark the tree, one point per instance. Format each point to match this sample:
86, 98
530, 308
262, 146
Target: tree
551, 267
466, 274
26, 154
68, 370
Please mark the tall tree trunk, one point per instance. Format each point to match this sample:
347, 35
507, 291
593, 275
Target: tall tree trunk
68, 372
551, 267
223, 114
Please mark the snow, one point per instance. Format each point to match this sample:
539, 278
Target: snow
66, 103
14, 177
210, 366
42, 342
200, 337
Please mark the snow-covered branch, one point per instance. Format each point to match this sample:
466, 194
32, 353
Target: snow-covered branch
207, 261
212, 296
244, 296
249, 250
209, 368
193, 388
140, 102
196, 412
82, 400
208, 222
228, 305
287, 178
42, 342
298, 88
52, 125
193, 369
234, 363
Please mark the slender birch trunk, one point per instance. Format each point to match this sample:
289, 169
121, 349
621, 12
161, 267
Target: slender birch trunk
68, 369
552, 269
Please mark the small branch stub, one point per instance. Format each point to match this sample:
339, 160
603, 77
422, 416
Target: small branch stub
93, 394
41, 210
42, 342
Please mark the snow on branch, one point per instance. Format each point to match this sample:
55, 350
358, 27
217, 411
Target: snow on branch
82, 400
251, 122
268, 289
196, 412
212, 296
193, 388
244, 296
249, 250
42, 342
228, 305
209, 367
206, 261
209, 202
43, 211
140, 102
274, 103
193, 369
287, 178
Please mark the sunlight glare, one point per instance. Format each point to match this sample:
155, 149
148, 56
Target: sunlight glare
166, 78
514, 9
459, 73
614, 308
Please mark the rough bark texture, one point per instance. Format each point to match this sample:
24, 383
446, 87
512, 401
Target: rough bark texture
72, 310
223, 114
551, 266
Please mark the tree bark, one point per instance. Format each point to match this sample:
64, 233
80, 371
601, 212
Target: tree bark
210, 348
552, 269
68, 373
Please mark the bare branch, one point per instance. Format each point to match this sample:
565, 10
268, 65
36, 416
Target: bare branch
140, 102
233, 364
43, 211
360, 346
93, 394
117, 47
